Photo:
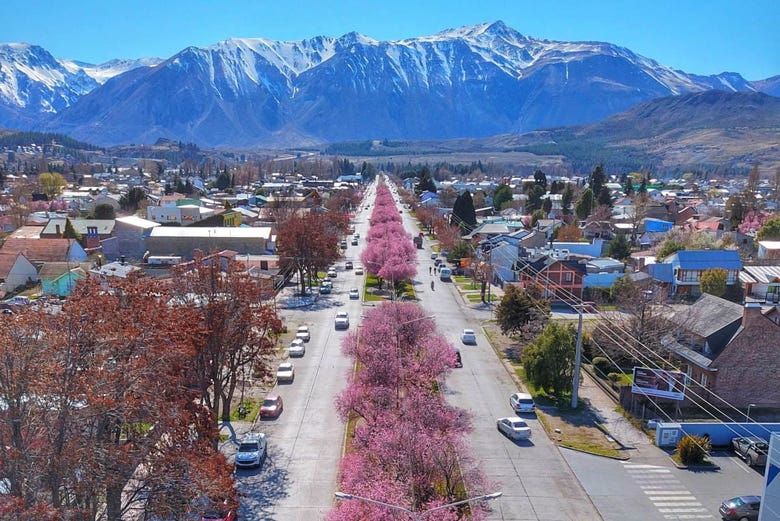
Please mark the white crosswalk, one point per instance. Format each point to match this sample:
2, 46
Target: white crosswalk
666, 492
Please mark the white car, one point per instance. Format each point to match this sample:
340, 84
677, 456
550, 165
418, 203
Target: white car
285, 372
354, 293
297, 347
514, 428
342, 320
332, 273
468, 337
522, 402
251, 451
303, 333
358, 270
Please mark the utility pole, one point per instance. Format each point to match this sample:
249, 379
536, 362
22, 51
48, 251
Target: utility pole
577, 360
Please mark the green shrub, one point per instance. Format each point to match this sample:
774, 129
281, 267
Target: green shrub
693, 449
601, 365
613, 377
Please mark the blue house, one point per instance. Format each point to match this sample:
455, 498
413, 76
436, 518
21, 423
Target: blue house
687, 267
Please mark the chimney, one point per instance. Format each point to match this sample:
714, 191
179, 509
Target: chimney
750, 312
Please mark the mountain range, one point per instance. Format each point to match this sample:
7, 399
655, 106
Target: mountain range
473, 81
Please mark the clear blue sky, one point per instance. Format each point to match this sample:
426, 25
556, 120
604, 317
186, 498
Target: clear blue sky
697, 36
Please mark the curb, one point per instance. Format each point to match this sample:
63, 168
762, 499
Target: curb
575, 449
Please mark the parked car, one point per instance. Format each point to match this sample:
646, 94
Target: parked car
514, 428
285, 372
219, 512
297, 347
468, 337
354, 293
342, 320
358, 270
741, 508
522, 402
458, 359
272, 406
303, 333
18, 300
752, 449
348, 265
251, 450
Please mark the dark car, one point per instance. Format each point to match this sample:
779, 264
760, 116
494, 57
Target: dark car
742, 508
752, 449
458, 360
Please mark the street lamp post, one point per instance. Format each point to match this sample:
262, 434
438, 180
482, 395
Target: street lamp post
417, 516
577, 360
747, 415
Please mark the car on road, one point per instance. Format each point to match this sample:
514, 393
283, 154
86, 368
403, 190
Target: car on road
285, 372
272, 406
354, 293
522, 402
297, 347
358, 270
303, 333
221, 513
354, 242
342, 320
348, 265
458, 359
741, 508
514, 428
251, 450
356, 235
434, 255
343, 245
468, 337
752, 449
332, 273
325, 289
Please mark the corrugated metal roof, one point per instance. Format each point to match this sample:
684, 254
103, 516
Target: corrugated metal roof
706, 259
765, 274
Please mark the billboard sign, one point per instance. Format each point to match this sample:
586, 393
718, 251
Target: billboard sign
659, 383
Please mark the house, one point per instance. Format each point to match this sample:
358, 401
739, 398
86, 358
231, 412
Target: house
46, 250
429, 199
117, 269
761, 283
769, 249
59, 278
15, 272
738, 348
562, 280
687, 267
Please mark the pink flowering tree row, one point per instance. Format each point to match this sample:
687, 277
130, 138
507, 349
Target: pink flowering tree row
408, 446
389, 253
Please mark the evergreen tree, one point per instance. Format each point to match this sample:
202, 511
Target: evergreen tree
426, 183
585, 204
605, 198
597, 179
70, 232
104, 211
501, 195
540, 178
547, 205
619, 247
463, 212
643, 186
223, 181
567, 198
628, 184
535, 193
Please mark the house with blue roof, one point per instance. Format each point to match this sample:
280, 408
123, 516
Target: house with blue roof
429, 199
687, 266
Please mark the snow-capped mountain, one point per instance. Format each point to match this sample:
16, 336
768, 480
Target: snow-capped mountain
467, 82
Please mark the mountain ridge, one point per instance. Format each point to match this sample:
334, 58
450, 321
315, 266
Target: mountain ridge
471, 81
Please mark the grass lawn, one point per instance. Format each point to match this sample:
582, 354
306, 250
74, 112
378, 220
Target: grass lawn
475, 297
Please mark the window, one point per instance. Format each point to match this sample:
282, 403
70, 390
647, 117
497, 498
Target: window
567, 276
703, 380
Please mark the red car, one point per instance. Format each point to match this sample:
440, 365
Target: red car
272, 406
220, 515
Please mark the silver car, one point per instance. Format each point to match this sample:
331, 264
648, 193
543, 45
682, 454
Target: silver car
514, 428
